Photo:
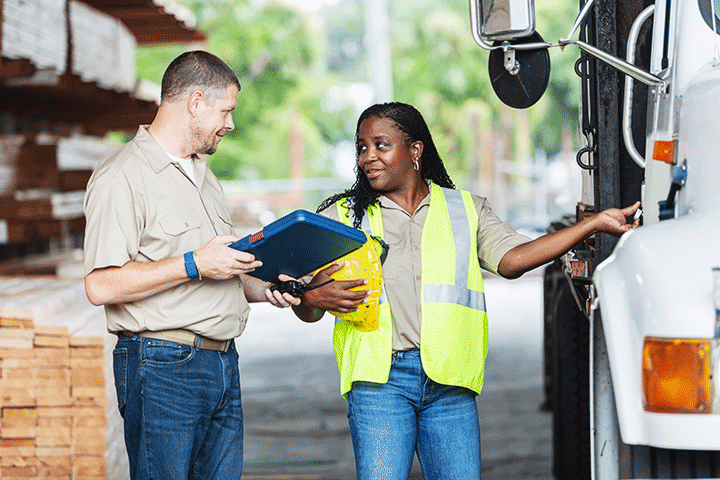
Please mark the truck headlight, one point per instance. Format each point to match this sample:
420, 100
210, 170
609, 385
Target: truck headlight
677, 375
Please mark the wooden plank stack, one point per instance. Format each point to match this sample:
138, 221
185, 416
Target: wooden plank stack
49, 163
58, 411
36, 31
103, 48
43, 186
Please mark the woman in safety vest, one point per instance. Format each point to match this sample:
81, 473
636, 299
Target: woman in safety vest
411, 378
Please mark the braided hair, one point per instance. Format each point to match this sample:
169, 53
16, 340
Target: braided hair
409, 121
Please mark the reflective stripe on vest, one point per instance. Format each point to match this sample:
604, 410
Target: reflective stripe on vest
457, 294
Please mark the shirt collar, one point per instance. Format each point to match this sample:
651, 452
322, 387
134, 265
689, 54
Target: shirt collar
158, 158
385, 202
154, 153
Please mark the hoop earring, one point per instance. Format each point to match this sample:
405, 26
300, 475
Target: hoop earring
416, 164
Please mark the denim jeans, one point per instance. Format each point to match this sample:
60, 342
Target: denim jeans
181, 410
410, 413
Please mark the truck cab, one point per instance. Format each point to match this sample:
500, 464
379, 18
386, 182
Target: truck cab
632, 327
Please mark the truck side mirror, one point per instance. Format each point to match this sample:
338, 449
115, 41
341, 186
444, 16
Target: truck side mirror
504, 19
519, 63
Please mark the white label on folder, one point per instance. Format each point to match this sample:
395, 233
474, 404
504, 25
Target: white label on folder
3, 231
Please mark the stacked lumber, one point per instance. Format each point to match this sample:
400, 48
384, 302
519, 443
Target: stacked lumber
58, 411
81, 153
103, 48
49, 163
43, 186
36, 31
10, 146
65, 264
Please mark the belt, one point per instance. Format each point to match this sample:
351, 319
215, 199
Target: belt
185, 337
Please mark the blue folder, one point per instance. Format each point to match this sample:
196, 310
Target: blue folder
299, 243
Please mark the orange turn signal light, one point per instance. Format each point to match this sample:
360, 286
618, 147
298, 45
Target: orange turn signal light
676, 375
664, 151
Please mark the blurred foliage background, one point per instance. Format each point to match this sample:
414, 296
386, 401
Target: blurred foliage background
304, 77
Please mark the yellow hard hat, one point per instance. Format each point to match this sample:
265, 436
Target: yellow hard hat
365, 262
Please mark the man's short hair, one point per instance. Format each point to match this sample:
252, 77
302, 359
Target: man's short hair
197, 70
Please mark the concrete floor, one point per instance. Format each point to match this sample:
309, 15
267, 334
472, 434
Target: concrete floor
296, 424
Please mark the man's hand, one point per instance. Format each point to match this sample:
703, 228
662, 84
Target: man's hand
218, 261
281, 300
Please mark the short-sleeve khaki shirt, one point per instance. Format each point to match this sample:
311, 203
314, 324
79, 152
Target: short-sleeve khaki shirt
142, 207
402, 270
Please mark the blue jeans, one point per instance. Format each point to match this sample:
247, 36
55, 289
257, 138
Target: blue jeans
181, 410
410, 413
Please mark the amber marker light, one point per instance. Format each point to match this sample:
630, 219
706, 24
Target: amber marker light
676, 375
664, 151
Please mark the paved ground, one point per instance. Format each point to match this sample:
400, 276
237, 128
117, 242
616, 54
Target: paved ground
296, 424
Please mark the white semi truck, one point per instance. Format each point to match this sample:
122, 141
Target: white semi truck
632, 327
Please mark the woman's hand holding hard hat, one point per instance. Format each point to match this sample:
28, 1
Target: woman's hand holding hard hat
335, 296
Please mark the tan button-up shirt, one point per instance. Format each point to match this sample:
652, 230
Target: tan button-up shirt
142, 207
402, 270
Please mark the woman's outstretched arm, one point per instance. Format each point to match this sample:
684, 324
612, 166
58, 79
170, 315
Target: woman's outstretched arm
527, 256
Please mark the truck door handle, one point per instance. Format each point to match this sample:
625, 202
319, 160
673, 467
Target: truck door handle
627, 100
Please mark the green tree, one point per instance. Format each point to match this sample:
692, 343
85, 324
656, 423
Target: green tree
438, 67
278, 53
289, 60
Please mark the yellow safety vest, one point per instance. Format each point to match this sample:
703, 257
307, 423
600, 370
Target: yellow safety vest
454, 334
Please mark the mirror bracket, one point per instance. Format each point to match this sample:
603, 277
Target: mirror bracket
511, 65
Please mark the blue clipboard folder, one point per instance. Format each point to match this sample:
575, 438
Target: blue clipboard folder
299, 243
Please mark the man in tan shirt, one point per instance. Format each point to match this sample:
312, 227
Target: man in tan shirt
156, 257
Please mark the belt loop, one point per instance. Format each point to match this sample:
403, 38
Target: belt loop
198, 340
126, 334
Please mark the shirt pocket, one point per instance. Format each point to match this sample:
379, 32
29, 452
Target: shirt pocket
179, 223
173, 235
225, 226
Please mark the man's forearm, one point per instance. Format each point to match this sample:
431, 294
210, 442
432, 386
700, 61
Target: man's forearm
134, 281
254, 288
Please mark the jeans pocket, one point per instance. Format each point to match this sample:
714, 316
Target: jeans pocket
163, 353
120, 368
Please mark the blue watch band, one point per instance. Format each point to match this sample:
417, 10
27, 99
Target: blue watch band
190, 266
